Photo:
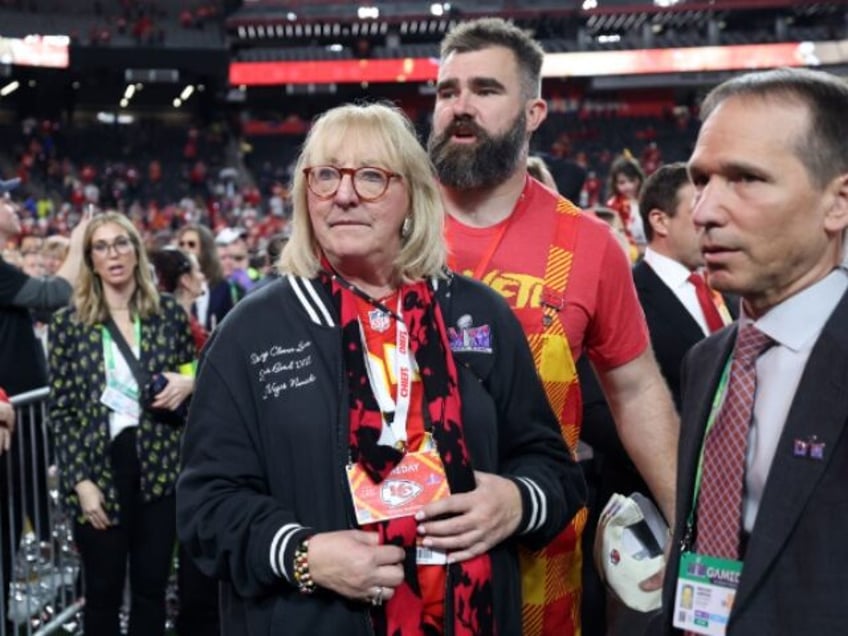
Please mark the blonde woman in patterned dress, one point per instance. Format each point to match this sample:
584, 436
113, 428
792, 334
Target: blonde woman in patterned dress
117, 426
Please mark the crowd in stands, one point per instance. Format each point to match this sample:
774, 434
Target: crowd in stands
102, 22
165, 177
161, 176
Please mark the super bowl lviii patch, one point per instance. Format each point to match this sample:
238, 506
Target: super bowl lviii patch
467, 338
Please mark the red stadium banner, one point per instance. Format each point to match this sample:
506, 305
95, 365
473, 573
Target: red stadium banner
591, 64
333, 72
682, 60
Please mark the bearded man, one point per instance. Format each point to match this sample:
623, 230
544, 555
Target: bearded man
561, 270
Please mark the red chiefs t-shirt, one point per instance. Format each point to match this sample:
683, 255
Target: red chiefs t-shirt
602, 315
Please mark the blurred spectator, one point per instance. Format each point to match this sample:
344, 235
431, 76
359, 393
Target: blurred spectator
625, 184
232, 252
24, 366
220, 294
612, 218
272, 256
538, 169
32, 263
54, 252
7, 422
591, 192
30, 243
178, 273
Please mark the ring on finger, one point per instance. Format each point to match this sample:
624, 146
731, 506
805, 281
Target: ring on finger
377, 599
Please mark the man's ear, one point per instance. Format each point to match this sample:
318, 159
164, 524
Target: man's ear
537, 112
836, 217
659, 222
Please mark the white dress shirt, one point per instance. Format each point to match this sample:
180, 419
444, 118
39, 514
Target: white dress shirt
201, 305
123, 374
676, 278
795, 325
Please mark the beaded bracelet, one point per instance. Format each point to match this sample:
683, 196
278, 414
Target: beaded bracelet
302, 579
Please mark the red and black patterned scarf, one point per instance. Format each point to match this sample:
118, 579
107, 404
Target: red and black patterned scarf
469, 583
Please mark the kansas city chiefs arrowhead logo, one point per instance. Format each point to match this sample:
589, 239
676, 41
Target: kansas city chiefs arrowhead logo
397, 492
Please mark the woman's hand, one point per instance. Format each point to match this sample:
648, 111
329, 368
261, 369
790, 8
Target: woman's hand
7, 426
353, 563
179, 387
476, 521
91, 502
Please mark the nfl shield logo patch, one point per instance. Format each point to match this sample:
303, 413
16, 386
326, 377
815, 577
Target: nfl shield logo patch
379, 320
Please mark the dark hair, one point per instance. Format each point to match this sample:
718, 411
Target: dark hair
170, 264
627, 166
823, 147
208, 259
485, 33
660, 192
275, 247
607, 215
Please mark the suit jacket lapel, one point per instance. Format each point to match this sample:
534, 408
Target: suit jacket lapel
819, 408
654, 291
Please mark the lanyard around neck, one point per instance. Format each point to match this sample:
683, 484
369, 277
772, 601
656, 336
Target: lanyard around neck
107, 342
368, 298
394, 431
495, 242
491, 248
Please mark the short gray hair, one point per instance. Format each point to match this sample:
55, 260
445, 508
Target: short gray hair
823, 148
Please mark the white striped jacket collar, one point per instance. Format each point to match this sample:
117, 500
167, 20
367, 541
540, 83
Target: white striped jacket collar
311, 297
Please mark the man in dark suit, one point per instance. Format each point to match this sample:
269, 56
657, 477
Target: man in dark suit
770, 169
666, 278
676, 321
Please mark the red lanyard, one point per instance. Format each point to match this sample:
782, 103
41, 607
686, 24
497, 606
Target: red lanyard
486, 258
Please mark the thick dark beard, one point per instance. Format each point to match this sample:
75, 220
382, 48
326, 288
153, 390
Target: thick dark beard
485, 164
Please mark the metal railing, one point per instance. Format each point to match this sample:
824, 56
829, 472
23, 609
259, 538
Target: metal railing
42, 593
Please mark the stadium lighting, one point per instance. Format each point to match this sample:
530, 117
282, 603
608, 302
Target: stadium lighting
10, 88
590, 4
125, 102
665, 3
368, 13
110, 118
129, 92
437, 9
177, 102
187, 91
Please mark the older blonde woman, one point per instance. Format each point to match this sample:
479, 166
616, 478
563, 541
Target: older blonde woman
117, 446
369, 439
